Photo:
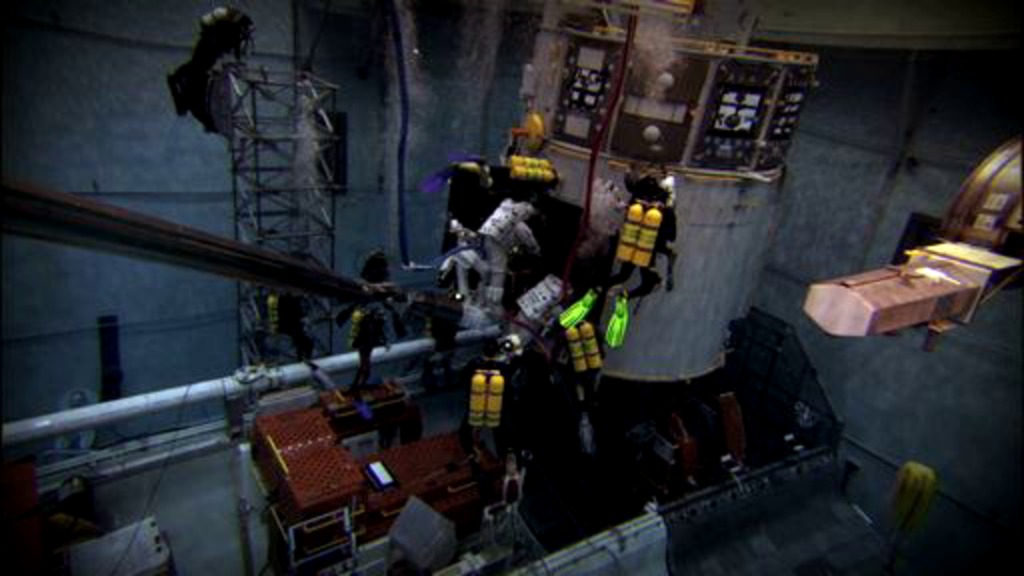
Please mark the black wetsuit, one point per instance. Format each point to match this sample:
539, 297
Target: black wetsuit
189, 83
649, 277
378, 324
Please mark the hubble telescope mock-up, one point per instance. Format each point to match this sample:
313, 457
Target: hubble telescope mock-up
943, 284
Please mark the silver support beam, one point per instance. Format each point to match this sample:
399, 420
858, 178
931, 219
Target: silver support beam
246, 381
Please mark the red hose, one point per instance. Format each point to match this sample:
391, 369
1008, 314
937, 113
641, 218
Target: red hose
595, 151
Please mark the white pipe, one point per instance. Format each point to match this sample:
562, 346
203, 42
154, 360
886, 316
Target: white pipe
88, 417
244, 471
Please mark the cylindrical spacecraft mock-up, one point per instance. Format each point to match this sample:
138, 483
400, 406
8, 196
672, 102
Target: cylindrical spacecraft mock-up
695, 105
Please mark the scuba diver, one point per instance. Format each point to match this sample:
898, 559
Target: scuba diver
374, 322
649, 230
287, 316
490, 208
491, 377
443, 329
222, 30
504, 230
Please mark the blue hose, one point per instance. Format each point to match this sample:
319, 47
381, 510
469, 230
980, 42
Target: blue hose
437, 262
403, 130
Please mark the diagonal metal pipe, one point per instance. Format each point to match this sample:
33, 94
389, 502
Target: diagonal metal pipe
75, 220
251, 381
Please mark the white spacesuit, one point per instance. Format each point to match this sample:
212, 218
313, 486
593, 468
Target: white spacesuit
505, 229
464, 258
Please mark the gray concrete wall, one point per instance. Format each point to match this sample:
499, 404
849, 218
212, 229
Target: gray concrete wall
354, 52
86, 110
845, 204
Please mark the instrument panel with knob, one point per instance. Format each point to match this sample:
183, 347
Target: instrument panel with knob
586, 83
736, 115
705, 105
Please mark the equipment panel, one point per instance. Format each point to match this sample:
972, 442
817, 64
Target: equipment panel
788, 105
656, 116
736, 115
589, 68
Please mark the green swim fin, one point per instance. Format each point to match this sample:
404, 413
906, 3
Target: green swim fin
579, 309
616, 333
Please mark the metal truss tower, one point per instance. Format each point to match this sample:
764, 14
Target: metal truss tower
280, 126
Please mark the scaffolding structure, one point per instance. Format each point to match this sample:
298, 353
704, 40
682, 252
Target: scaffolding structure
281, 130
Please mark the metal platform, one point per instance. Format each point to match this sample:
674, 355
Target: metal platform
280, 126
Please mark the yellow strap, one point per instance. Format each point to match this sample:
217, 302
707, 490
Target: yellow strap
277, 454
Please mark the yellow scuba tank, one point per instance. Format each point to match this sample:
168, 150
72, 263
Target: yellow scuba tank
535, 169
477, 398
353, 331
579, 361
590, 348
495, 390
273, 318
630, 233
486, 389
648, 236
916, 486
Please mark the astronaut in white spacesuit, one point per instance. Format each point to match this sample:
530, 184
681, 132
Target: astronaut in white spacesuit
504, 230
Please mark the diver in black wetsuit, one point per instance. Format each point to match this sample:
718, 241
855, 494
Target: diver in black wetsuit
375, 322
649, 191
222, 30
648, 230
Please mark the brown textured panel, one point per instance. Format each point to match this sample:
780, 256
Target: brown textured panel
420, 467
295, 430
278, 439
321, 475
309, 474
436, 470
388, 403
321, 481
